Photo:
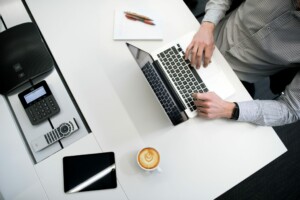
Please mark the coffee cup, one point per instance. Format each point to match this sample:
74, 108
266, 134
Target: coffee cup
148, 159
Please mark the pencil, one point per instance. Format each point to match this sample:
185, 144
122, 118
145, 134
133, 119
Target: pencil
137, 15
139, 19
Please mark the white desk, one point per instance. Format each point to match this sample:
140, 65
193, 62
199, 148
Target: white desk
201, 159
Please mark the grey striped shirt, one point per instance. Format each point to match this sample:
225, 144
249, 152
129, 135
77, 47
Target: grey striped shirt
258, 39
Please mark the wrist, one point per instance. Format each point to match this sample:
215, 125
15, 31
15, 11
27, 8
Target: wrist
208, 26
235, 112
228, 110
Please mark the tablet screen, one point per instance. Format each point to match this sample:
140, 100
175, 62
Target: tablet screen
89, 172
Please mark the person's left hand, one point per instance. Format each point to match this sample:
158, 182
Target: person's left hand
211, 106
202, 45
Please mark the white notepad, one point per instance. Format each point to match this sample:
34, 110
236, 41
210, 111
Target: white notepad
125, 29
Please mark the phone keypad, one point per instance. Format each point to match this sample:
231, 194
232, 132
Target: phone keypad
42, 110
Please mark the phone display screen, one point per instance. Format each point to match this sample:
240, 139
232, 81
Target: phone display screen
35, 94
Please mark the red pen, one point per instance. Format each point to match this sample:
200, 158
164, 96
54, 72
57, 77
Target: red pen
134, 18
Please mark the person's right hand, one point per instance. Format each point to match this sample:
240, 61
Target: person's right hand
211, 106
202, 45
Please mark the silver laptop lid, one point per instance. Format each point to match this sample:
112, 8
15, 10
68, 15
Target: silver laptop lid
160, 85
141, 57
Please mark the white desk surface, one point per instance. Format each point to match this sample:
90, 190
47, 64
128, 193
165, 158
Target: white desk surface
200, 159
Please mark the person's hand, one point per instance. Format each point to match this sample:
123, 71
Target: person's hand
202, 45
211, 106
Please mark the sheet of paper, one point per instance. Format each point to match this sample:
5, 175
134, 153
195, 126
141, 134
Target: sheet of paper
125, 29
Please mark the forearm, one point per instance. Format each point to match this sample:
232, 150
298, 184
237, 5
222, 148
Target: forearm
209, 26
284, 110
267, 112
215, 10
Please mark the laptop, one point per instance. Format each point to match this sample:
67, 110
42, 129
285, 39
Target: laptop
174, 80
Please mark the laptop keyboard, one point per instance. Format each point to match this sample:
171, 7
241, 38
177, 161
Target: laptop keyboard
162, 94
183, 75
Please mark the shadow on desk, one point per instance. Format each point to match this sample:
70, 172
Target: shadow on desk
143, 106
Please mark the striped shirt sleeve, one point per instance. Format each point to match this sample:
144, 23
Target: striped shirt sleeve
215, 10
284, 110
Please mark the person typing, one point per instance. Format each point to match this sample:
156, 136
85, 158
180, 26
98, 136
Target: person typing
258, 39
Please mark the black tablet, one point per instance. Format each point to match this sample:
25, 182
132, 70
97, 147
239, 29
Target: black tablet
89, 172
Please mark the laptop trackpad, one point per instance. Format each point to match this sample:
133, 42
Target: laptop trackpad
216, 81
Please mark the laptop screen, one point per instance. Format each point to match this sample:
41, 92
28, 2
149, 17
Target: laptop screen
141, 57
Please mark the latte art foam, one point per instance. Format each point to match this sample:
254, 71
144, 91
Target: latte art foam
148, 158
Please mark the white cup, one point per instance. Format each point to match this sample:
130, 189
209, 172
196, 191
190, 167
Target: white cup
148, 159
